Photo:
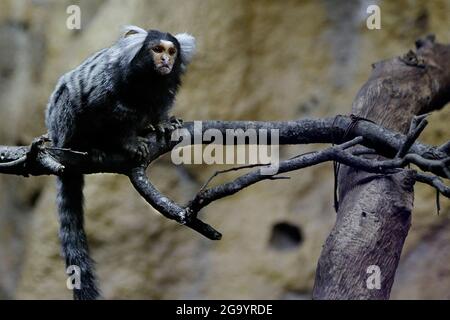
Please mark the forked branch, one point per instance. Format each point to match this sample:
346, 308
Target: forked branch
399, 150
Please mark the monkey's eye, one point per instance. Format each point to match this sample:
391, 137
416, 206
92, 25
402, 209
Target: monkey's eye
172, 51
158, 49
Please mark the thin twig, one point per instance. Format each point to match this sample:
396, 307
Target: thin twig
435, 182
418, 124
68, 150
250, 166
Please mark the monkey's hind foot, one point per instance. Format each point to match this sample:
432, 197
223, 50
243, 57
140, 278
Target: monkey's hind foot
138, 149
166, 126
98, 155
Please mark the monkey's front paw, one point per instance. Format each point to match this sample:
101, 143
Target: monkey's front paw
176, 122
138, 149
166, 126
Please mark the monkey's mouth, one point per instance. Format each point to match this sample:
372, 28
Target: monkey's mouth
164, 69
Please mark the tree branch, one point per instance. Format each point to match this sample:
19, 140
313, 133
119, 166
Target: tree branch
304, 131
167, 207
39, 159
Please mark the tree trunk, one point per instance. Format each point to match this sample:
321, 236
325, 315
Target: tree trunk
374, 214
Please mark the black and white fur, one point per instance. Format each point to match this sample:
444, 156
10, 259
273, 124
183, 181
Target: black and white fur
104, 104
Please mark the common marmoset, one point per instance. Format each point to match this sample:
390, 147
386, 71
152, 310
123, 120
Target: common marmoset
105, 104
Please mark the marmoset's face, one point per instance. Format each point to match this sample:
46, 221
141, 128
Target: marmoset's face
164, 55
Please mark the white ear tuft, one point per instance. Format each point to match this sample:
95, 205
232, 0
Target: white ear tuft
129, 44
187, 44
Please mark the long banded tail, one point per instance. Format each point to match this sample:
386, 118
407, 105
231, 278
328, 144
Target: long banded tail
73, 237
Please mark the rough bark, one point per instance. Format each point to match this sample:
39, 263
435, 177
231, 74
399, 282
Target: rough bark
374, 214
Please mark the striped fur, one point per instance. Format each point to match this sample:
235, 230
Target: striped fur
104, 104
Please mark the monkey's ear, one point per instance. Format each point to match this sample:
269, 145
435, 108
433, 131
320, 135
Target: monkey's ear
188, 46
133, 30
